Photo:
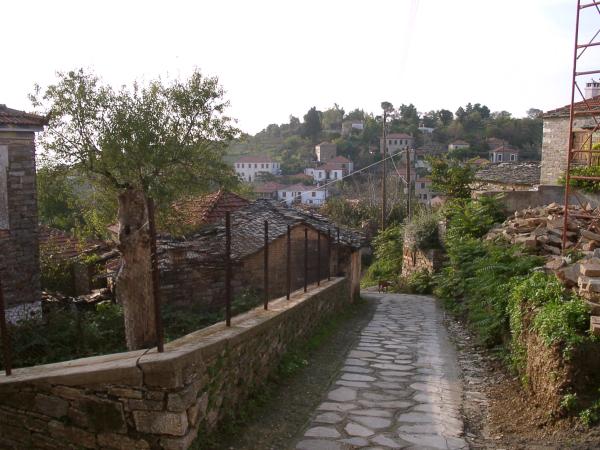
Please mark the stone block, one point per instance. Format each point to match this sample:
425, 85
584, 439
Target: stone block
588, 284
197, 412
72, 435
595, 325
145, 405
120, 442
163, 422
182, 400
125, 392
589, 269
51, 406
102, 415
590, 235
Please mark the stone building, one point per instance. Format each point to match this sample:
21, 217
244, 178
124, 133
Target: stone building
19, 240
193, 271
325, 151
556, 138
396, 142
523, 176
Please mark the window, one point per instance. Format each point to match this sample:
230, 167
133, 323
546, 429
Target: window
499, 157
267, 165
424, 196
513, 157
395, 141
242, 166
256, 166
422, 185
283, 194
262, 166
314, 194
310, 201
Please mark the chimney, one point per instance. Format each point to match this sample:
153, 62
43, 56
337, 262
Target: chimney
592, 89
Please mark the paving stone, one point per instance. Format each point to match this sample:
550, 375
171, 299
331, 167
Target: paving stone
322, 432
356, 442
357, 377
320, 444
374, 423
330, 406
356, 362
328, 418
386, 441
353, 384
356, 369
354, 429
417, 417
372, 412
342, 394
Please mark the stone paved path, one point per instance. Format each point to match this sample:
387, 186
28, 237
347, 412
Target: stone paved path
399, 387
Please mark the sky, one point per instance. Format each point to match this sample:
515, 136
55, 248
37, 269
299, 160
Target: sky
276, 58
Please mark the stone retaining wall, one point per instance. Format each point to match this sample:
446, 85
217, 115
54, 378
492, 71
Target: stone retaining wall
147, 400
418, 260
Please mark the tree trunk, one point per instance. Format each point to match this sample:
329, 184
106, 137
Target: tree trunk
134, 281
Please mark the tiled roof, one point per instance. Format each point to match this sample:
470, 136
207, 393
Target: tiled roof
268, 187
247, 233
593, 103
325, 143
330, 166
66, 245
399, 136
459, 142
255, 159
12, 117
202, 210
505, 149
511, 173
297, 188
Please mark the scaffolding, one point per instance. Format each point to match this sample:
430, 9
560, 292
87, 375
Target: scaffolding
584, 111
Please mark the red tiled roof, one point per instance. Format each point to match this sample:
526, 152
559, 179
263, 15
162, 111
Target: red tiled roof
505, 149
582, 106
13, 117
459, 142
255, 159
297, 188
198, 211
268, 187
329, 166
66, 245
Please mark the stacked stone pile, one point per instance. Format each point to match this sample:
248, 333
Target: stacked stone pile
540, 231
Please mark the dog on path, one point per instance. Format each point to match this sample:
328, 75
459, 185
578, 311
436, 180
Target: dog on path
383, 286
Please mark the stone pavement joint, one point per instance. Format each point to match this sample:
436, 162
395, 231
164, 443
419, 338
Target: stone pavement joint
399, 386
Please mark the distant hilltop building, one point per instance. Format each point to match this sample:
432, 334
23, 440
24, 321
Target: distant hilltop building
336, 168
395, 142
504, 153
348, 126
248, 167
325, 151
458, 145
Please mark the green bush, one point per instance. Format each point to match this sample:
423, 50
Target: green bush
472, 218
421, 233
56, 271
420, 282
387, 247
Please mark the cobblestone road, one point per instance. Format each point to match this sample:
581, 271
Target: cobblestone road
399, 387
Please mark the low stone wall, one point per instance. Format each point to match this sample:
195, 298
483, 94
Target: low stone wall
150, 400
418, 260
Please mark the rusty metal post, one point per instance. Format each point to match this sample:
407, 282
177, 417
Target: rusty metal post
318, 258
305, 259
6, 353
228, 269
266, 265
288, 271
329, 254
155, 277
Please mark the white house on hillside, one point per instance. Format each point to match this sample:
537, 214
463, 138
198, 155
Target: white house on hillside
248, 167
396, 142
334, 169
458, 145
299, 193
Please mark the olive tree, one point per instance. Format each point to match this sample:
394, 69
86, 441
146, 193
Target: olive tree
154, 140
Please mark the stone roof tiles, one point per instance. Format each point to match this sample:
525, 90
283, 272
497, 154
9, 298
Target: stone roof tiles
202, 210
527, 173
15, 118
582, 106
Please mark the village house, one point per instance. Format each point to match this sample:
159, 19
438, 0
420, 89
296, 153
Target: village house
249, 167
268, 190
325, 151
458, 145
350, 126
395, 142
193, 271
195, 212
522, 176
504, 153
300, 193
424, 190
555, 141
335, 169
19, 233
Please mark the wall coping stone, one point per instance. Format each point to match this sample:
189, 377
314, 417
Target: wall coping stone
199, 346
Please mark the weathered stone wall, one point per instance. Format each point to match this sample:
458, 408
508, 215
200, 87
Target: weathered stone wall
19, 246
554, 146
418, 260
142, 400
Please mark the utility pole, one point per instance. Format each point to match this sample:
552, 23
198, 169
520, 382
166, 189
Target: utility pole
408, 211
383, 176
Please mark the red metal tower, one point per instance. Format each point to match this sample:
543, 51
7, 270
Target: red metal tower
584, 113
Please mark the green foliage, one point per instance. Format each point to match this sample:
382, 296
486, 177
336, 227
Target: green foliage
387, 246
65, 334
348, 214
472, 218
312, 125
56, 271
451, 178
420, 282
591, 186
422, 231
569, 402
155, 137
590, 416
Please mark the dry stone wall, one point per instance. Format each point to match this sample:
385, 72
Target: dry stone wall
147, 400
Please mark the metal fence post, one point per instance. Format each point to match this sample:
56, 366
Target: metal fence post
288, 274
305, 259
318, 258
329, 254
228, 269
155, 277
266, 266
6, 354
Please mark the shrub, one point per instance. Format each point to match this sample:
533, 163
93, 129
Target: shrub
472, 218
420, 282
388, 256
56, 271
422, 231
